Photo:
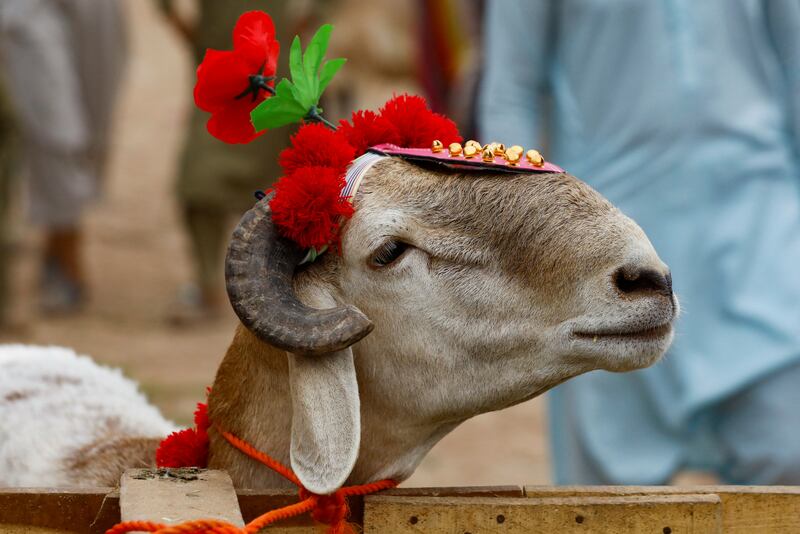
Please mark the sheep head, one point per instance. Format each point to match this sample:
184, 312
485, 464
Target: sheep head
484, 290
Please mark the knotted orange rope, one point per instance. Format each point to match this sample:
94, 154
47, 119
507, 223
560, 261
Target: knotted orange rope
330, 510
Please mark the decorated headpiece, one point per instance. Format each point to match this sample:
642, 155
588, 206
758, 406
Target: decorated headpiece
313, 198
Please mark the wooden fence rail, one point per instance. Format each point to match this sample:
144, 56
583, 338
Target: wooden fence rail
182, 495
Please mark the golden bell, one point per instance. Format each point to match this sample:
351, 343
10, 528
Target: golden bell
437, 146
535, 158
473, 142
499, 149
516, 148
470, 151
488, 155
455, 149
512, 157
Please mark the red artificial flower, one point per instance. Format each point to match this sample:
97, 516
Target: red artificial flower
187, 448
368, 129
307, 207
314, 145
230, 84
416, 125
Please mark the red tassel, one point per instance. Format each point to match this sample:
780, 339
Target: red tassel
308, 208
314, 145
187, 448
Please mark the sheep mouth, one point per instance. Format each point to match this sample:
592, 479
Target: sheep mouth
646, 334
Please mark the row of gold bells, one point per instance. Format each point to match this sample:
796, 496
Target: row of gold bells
472, 148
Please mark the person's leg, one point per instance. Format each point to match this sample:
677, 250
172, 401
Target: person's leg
7, 160
202, 194
760, 431
206, 229
61, 179
204, 299
604, 429
4, 245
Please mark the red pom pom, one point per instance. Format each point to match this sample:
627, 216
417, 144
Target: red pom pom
314, 145
416, 125
183, 449
307, 207
187, 448
368, 129
201, 420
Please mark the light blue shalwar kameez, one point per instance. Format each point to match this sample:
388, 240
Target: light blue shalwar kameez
685, 114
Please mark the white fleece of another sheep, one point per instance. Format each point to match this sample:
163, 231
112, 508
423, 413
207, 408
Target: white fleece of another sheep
54, 402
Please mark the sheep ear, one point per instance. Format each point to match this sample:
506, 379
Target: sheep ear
326, 419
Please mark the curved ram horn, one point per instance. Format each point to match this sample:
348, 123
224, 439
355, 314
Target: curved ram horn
258, 274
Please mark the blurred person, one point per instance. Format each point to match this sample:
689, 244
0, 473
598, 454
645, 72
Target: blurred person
373, 73
63, 62
7, 166
216, 181
426, 47
450, 33
685, 115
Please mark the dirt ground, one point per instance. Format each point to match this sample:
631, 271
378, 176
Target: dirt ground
137, 259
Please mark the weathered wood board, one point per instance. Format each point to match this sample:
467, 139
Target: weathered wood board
544, 509
745, 509
254, 503
675, 514
173, 496
59, 509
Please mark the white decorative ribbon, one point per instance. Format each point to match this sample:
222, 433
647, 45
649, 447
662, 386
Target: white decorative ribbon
355, 174
356, 171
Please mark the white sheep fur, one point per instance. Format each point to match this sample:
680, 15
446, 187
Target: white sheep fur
55, 403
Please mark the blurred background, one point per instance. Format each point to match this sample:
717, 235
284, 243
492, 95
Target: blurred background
116, 204
140, 305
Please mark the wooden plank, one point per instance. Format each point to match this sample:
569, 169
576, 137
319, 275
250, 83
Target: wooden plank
172, 496
72, 509
108, 514
675, 514
253, 503
745, 509
464, 491
770, 510
95, 510
27, 529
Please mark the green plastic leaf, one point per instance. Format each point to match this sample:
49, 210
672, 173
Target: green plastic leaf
278, 110
295, 99
312, 254
304, 86
329, 70
315, 52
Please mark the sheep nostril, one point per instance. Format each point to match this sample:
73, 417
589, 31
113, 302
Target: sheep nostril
629, 280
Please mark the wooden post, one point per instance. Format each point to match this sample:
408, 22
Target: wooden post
172, 496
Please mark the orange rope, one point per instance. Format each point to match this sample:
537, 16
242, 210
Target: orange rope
328, 509
259, 456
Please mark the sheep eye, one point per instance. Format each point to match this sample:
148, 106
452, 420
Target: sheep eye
388, 253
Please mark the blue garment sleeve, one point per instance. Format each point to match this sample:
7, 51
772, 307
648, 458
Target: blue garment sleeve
517, 41
783, 20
